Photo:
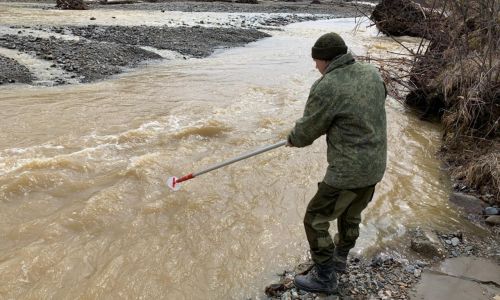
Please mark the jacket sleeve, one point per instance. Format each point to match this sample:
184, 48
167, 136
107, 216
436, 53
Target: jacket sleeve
317, 119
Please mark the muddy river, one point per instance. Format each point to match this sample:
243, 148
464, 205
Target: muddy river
84, 209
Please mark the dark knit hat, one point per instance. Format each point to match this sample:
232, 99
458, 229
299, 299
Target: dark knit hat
328, 46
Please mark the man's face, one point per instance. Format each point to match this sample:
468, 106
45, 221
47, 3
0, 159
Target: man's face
321, 65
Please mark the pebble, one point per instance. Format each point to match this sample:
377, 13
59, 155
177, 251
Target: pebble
491, 211
417, 273
455, 241
493, 220
421, 264
410, 269
286, 296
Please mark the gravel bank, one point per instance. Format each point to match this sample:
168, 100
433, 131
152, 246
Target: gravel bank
391, 275
336, 8
11, 71
88, 61
109, 50
192, 41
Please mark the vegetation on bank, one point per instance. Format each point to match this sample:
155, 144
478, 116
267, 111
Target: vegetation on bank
455, 78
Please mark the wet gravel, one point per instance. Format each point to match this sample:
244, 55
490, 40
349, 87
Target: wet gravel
390, 275
14, 71
192, 41
382, 277
88, 61
335, 8
109, 50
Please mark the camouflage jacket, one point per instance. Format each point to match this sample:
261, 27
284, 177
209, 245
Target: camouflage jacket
347, 104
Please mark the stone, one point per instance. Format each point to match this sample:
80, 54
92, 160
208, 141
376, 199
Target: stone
380, 259
491, 211
493, 220
286, 296
426, 243
471, 204
417, 273
455, 241
420, 263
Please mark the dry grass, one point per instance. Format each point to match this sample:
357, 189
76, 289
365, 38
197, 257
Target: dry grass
457, 79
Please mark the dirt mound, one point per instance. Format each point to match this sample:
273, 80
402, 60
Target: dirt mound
400, 17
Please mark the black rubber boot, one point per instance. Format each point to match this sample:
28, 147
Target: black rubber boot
320, 279
339, 264
339, 261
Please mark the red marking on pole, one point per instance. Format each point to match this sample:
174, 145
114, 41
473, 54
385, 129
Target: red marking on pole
184, 178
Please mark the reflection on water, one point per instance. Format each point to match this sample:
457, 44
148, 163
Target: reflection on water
84, 209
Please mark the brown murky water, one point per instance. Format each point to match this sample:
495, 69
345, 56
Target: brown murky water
84, 209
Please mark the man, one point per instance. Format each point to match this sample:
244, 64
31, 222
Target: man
346, 104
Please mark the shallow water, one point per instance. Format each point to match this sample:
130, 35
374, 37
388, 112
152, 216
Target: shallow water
84, 209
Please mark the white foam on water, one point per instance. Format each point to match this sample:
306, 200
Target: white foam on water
43, 68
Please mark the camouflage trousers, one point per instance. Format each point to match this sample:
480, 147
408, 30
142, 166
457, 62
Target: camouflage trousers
329, 204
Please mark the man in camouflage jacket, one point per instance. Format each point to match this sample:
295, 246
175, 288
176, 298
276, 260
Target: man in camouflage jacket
346, 104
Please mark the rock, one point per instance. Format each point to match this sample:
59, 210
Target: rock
455, 241
410, 269
274, 290
92, 18
471, 204
380, 259
447, 242
286, 296
493, 220
417, 273
426, 243
491, 211
420, 263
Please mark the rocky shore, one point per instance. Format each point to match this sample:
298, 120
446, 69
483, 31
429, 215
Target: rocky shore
81, 54
108, 50
13, 72
398, 275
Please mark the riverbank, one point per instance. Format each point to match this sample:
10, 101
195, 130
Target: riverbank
398, 274
68, 54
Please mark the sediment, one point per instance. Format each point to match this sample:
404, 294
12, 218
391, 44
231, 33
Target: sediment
13, 72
